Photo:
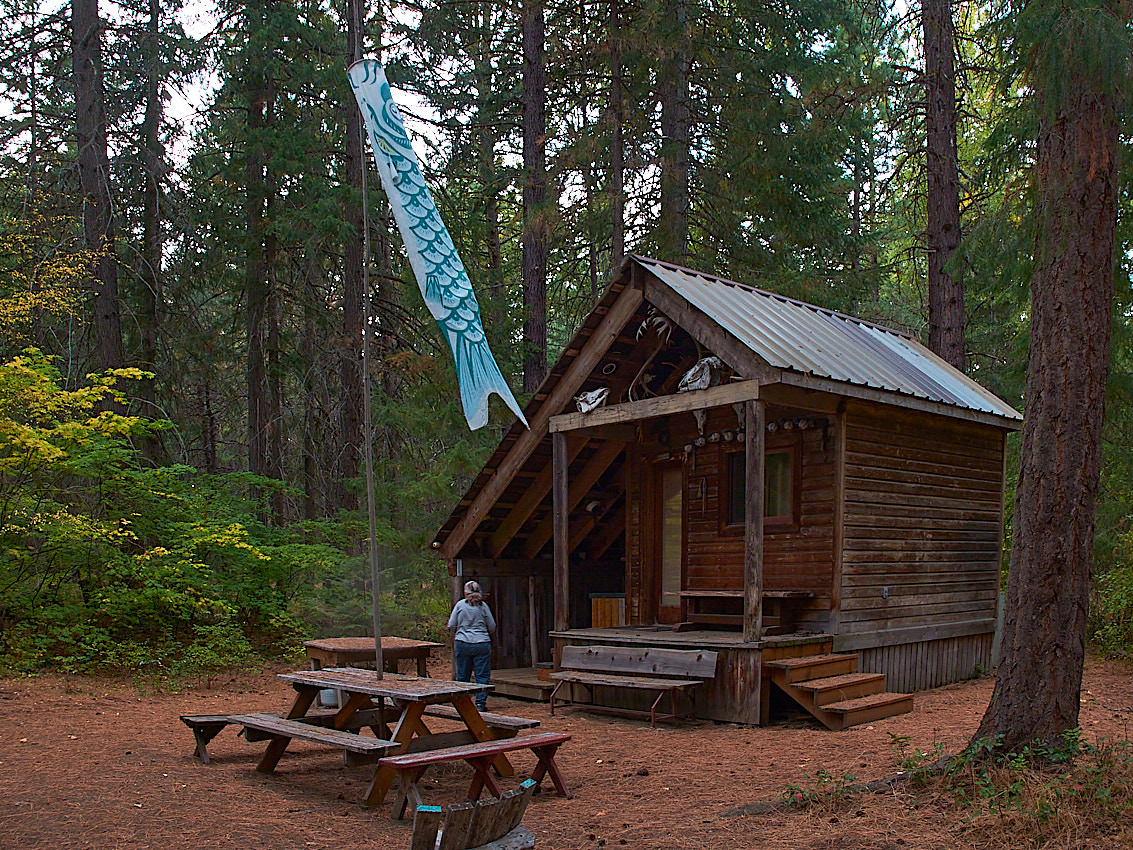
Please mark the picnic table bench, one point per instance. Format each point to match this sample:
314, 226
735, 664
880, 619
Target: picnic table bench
411, 766
665, 671
205, 727
358, 749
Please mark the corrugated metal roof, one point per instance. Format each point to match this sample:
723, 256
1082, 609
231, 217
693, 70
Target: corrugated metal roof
800, 337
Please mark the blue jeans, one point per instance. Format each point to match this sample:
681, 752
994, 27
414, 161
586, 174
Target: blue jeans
474, 658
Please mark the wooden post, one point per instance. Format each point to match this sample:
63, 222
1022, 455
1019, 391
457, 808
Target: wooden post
533, 634
753, 520
561, 532
839, 437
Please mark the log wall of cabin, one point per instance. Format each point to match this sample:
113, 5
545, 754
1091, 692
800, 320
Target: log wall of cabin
799, 559
922, 533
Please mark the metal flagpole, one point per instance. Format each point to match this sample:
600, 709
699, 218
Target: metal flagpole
367, 417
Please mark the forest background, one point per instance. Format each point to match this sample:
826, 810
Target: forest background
182, 301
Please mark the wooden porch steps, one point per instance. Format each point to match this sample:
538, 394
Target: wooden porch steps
848, 686
830, 687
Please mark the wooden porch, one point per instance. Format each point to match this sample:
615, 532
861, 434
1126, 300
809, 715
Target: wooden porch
741, 689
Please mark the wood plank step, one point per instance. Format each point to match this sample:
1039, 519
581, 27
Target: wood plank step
804, 660
804, 667
842, 688
869, 709
872, 701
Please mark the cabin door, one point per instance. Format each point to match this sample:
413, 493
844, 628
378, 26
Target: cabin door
670, 540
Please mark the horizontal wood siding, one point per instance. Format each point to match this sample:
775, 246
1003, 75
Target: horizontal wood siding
922, 521
793, 560
918, 666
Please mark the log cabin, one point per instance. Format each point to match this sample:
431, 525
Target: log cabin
814, 497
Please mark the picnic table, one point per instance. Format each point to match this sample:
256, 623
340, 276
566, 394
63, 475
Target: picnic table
359, 652
394, 707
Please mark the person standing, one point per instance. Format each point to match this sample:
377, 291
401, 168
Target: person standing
473, 623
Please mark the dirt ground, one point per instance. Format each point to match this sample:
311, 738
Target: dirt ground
90, 763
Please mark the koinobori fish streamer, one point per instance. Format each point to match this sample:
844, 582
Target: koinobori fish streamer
440, 274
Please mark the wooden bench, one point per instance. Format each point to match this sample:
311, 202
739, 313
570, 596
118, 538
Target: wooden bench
411, 767
205, 727
490, 824
357, 748
502, 725
666, 671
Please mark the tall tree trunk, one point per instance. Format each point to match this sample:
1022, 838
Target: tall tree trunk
617, 144
94, 177
534, 198
945, 291
274, 361
210, 429
312, 421
149, 318
350, 368
487, 121
256, 284
1037, 688
674, 95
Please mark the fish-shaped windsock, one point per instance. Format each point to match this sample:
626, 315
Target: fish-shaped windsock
441, 277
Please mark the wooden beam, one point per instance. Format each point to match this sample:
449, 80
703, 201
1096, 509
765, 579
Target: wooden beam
528, 502
596, 520
606, 537
622, 433
754, 428
603, 337
532, 625
561, 514
912, 634
827, 385
650, 408
505, 566
707, 331
579, 487
580, 531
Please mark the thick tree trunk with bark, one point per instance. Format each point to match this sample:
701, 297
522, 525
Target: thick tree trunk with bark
350, 363
1037, 688
94, 177
674, 96
534, 197
945, 291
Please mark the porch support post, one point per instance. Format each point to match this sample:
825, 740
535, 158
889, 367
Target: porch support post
561, 508
754, 428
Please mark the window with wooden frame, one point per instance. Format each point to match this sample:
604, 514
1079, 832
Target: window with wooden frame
782, 475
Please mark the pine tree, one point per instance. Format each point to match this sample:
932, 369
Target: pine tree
1077, 61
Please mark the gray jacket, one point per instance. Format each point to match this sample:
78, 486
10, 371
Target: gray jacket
472, 623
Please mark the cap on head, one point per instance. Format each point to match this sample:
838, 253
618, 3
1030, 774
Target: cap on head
471, 587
